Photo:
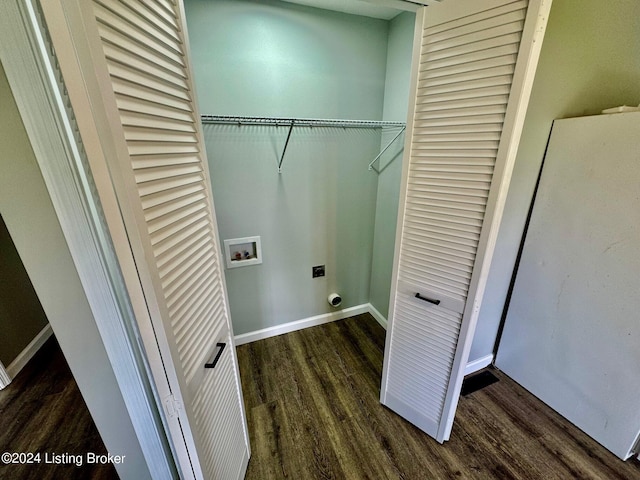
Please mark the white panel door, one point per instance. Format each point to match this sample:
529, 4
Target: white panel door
152, 141
473, 68
570, 336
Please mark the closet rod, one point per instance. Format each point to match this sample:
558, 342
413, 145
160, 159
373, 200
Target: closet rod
299, 122
305, 122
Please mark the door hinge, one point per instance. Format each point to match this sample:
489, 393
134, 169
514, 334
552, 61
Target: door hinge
172, 406
476, 306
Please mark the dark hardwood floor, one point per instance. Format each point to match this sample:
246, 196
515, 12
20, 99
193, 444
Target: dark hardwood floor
42, 411
312, 404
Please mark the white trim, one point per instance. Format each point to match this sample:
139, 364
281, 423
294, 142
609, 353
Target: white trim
300, 324
232, 242
478, 364
5, 379
378, 316
29, 351
33, 80
472, 367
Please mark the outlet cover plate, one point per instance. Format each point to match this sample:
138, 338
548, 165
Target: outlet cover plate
317, 271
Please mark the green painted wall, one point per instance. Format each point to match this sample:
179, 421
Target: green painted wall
278, 59
21, 315
590, 61
270, 58
396, 100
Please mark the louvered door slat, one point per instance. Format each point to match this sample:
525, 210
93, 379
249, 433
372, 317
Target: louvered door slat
492, 11
169, 213
463, 94
440, 262
448, 216
496, 107
480, 77
433, 280
480, 45
469, 70
471, 58
142, 120
453, 45
151, 16
144, 31
225, 468
148, 75
494, 128
121, 39
168, 244
480, 87
190, 250
448, 169
433, 110
160, 173
156, 135
161, 12
150, 161
445, 223
126, 89
145, 55
139, 105
444, 271
426, 234
195, 291
459, 120
459, 260
178, 277
165, 208
436, 345
181, 297
501, 17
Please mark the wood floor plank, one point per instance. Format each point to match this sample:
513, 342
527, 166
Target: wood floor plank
312, 399
43, 411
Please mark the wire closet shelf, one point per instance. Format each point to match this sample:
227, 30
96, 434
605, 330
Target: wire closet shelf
305, 122
298, 122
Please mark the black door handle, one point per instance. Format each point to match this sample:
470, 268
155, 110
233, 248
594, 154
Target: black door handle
213, 364
430, 300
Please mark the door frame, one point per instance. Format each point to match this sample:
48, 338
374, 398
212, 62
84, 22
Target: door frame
24, 50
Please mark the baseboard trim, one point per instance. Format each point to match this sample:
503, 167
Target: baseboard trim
378, 316
478, 364
29, 351
300, 324
249, 337
5, 379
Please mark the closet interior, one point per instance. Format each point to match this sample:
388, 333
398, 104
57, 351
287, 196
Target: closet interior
264, 71
303, 114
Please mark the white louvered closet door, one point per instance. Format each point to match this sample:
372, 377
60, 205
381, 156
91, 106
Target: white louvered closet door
474, 62
143, 56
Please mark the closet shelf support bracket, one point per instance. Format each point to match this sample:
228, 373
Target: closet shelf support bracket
385, 149
286, 144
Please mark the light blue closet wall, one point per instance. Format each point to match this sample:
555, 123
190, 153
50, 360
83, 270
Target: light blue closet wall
396, 100
271, 58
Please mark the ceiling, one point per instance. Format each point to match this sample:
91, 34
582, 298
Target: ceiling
367, 8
